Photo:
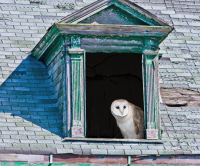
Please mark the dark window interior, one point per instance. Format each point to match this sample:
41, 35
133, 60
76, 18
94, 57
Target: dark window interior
110, 76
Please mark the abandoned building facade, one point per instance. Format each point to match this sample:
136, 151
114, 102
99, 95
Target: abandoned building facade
63, 63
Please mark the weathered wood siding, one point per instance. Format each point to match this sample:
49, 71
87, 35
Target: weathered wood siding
55, 71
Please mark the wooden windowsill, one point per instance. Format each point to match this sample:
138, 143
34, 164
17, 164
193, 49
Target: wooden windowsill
114, 140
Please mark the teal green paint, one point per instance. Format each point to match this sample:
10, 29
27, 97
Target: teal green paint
77, 88
54, 50
160, 35
152, 124
45, 42
159, 56
149, 91
113, 15
51, 159
129, 160
84, 92
44, 48
76, 61
134, 41
144, 92
135, 13
65, 92
6, 164
76, 72
75, 41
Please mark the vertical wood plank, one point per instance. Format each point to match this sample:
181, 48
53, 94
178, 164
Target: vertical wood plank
150, 81
66, 92
157, 98
64, 88
150, 70
77, 88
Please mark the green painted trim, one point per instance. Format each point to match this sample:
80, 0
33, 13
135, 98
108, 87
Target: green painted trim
125, 5
51, 43
84, 92
45, 42
114, 30
151, 98
77, 87
135, 13
144, 91
122, 38
159, 56
128, 160
152, 124
113, 25
54, 50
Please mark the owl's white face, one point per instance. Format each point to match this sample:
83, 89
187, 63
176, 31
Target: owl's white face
120, 108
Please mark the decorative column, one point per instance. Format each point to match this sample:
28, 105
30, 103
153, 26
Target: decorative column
150, 82
77, 87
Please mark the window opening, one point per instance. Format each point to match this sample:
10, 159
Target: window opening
110, 76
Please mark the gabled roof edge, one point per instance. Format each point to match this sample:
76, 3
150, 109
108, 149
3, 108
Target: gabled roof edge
95, 5
51, 34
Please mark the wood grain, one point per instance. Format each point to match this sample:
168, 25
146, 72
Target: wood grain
90, 159
127, 30
180, 97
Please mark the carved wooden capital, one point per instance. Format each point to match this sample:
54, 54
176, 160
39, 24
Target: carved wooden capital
75, 42
151, 43
150, 49
149, 56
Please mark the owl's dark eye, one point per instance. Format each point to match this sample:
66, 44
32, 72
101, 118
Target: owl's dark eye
124, 107
117, 107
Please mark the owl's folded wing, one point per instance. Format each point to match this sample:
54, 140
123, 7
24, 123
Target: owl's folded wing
138, 119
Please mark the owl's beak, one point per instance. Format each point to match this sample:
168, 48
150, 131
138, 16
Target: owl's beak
121, 112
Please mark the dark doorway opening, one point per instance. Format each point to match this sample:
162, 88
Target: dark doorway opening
110, 76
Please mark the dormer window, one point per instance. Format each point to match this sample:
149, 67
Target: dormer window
109, 51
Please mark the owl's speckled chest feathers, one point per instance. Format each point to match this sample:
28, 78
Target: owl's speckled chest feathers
127, 129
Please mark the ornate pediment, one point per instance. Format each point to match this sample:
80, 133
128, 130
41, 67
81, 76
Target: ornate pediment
112, 15
118, 23
105, 26
120, 12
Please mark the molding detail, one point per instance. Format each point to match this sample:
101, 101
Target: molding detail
110, 38
150, 52
151, 105
77, 88
77, 132
152, 133
76, 51
75, 42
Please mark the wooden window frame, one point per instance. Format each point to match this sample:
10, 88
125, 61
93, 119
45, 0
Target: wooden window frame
74, 87
76, 39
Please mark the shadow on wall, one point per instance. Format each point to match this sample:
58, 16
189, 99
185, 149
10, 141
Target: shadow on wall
27, 100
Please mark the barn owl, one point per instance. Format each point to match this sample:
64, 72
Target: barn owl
130, 119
